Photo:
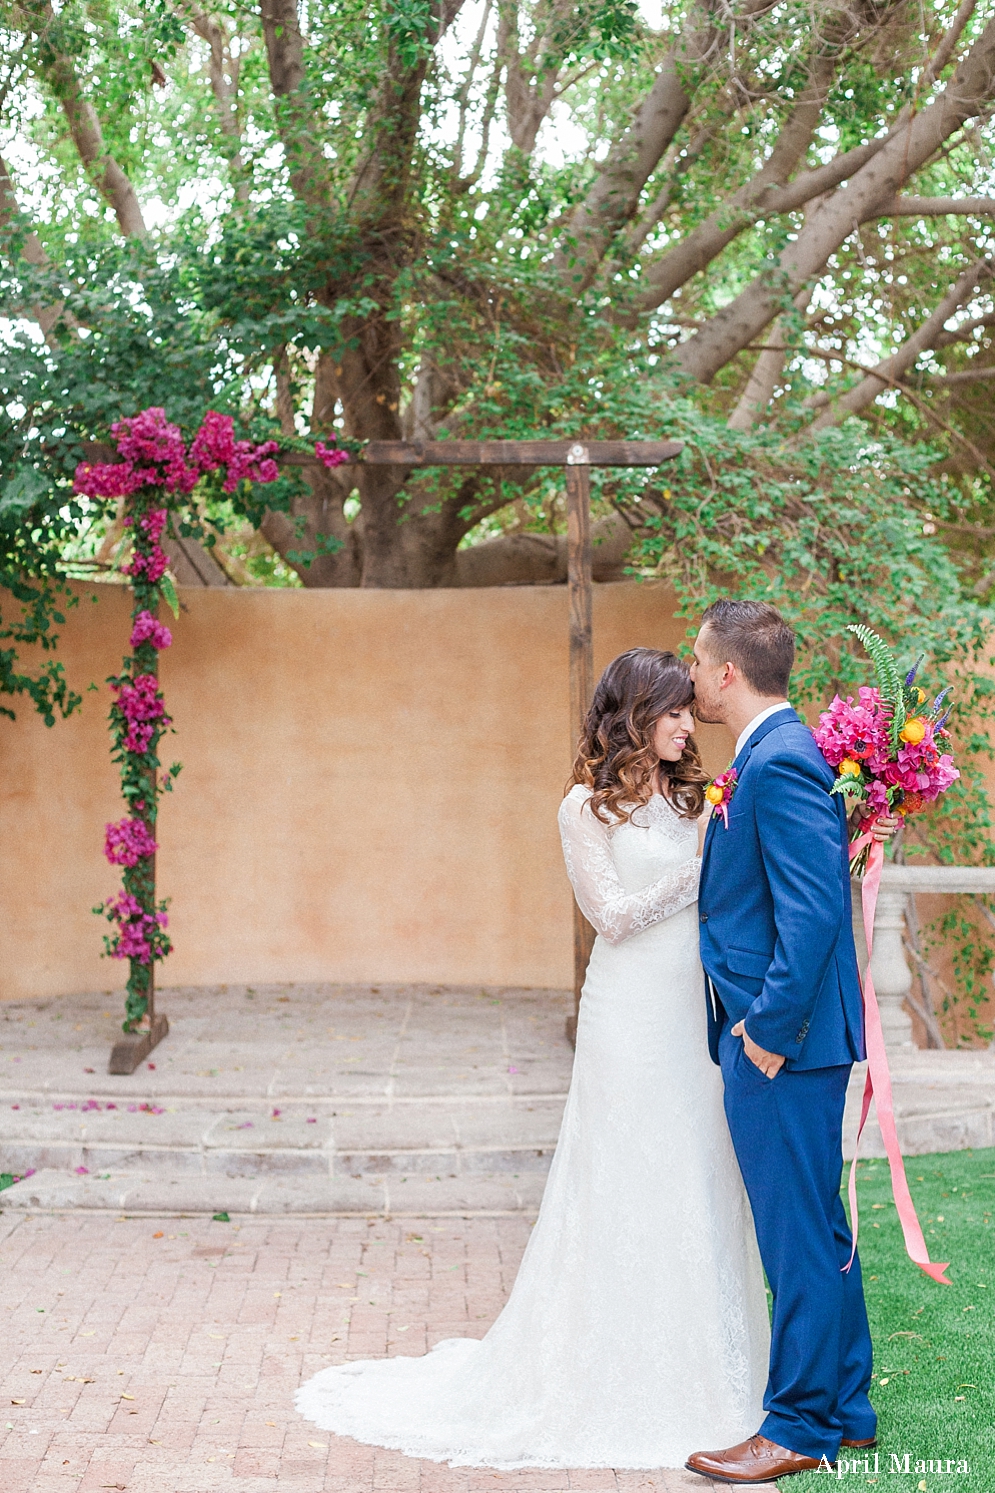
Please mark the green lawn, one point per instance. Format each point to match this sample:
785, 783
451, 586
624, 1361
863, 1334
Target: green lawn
934, 1346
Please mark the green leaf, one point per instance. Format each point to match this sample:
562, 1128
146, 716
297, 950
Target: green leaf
169, 594
889, 679
23, 491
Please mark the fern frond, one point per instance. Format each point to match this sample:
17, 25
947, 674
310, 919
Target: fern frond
889, 678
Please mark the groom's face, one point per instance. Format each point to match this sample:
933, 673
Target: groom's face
707, 676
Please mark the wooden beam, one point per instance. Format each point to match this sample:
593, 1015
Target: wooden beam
517, 453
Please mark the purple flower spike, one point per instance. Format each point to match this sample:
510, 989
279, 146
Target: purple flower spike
910, 677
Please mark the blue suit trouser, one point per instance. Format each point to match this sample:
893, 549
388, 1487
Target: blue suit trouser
787, 1133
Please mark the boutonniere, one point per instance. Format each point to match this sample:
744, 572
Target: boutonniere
720, 791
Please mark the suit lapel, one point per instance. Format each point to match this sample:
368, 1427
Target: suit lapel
779, 718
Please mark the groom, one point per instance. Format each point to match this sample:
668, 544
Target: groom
785, 1023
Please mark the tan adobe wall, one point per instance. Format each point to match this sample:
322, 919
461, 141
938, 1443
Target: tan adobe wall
369, 788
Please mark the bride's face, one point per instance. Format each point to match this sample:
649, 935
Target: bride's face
671, 732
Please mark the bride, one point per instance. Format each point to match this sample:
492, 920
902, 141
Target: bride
637, 1328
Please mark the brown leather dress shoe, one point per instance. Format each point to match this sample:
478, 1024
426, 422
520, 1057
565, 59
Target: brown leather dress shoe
863, 1445
755, 1461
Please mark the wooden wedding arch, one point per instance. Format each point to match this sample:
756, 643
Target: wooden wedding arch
577, 457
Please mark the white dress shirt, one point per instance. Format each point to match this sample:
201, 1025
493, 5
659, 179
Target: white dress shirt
758, 720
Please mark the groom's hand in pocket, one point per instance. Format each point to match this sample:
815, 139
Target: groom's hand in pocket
769, 1063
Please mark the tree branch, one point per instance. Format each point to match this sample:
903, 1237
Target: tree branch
613, 198
902, 154
298, 123
970, 375
764, 375
224, 72
33, 252
85, 130
530, 77
934, 207
890, 370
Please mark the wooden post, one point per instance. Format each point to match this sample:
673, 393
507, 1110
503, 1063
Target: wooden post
580, 588
579, 585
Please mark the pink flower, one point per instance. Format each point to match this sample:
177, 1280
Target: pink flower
877, 797
138, 736
153, 523
249, 462
136, 928
214, 444
330, 456
148, 630
856, 731
128, 842
153, 566
142, 707
131, 944
106, 479
139, 698
150, 440
124, 906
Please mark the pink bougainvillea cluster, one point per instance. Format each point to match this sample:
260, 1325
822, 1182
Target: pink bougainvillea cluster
214, 446
149, 559
142, 707
330, 456
153, 454
146, 629
139, 931
126, 842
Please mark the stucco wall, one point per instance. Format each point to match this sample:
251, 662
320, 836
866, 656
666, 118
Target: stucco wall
369, 788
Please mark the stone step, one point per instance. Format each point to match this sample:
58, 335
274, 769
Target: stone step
396, 1195
306, 1138
943, 1101
343, 1099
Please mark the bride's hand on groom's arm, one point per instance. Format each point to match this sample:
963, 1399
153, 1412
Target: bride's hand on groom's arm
769, 1063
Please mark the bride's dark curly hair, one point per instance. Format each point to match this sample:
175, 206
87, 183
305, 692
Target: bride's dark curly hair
615, 756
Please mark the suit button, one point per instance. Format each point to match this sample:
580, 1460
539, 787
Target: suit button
703, 917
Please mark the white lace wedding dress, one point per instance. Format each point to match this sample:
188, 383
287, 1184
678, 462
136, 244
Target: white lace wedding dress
637, 1330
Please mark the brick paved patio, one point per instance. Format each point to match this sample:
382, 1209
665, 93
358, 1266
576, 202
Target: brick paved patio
160, 1355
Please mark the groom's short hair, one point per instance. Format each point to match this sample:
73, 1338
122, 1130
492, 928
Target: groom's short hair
755, 637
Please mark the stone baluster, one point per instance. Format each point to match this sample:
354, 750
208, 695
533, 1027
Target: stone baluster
892, 975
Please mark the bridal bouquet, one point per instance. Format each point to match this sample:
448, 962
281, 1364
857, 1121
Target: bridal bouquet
887, 746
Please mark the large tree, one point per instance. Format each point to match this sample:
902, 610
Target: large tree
437, 218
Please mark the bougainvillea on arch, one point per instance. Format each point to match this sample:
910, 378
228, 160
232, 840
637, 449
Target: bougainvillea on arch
155, 477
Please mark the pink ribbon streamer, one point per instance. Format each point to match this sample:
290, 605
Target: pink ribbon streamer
878, 1085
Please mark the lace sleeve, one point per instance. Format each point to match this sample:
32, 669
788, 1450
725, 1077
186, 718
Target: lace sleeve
608, 907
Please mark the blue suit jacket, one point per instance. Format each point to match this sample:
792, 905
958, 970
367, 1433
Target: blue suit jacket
774, 904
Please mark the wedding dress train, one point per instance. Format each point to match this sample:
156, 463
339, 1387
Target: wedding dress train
637, 1328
